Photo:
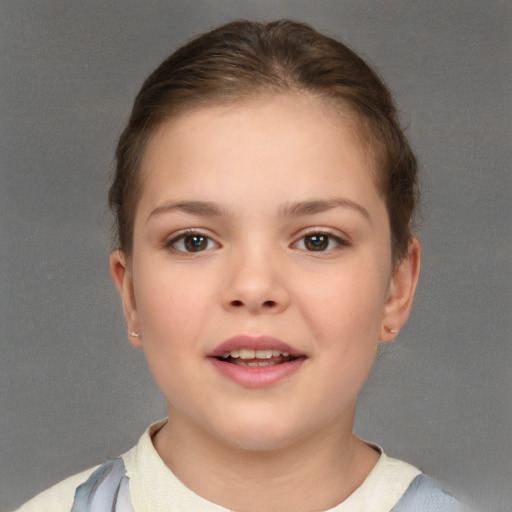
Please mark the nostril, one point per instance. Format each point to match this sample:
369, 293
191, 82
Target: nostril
268, 304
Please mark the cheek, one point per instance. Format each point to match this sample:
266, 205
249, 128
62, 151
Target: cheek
170, 303
171, 313
349, 301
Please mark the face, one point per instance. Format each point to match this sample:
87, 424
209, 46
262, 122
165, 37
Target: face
261, 277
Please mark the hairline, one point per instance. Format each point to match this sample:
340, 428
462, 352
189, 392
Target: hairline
343, 111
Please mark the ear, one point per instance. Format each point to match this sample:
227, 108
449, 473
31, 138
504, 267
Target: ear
121, 272
401, 292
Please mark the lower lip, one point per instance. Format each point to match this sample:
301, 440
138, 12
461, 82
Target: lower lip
257, 376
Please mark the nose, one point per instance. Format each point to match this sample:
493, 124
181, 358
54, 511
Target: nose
255, 283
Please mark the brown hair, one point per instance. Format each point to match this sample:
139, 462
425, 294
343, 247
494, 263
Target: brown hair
242, 59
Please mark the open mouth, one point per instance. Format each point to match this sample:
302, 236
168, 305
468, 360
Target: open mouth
256, 358
256, 361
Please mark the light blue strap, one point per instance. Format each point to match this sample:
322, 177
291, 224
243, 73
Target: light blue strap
426, 495
106, 490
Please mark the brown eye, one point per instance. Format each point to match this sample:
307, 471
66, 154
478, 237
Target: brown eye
320, 242
316, 242
193, 242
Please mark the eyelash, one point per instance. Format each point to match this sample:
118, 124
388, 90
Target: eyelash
181, 238
329, 237
338, 242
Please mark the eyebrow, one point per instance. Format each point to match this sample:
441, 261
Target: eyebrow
313, 206
202, 208
298, 209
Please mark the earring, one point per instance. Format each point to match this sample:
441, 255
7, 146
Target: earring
136, 334
393, 331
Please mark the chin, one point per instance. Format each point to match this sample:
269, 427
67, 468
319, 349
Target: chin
249, 434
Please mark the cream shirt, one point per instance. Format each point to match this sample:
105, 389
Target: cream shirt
155, 488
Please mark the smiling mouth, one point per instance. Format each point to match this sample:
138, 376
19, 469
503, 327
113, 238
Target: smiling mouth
256, 361
256, 358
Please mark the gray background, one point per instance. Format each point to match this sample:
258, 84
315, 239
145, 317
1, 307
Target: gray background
73, 391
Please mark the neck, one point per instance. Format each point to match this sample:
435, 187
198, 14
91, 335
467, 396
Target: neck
315, 473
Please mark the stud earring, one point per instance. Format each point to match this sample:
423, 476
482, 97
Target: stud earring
136, 334
393, 331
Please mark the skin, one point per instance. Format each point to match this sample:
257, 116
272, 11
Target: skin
244, 448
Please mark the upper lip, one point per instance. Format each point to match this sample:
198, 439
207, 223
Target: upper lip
253, 342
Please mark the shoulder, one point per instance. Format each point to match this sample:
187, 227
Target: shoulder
98, 488
106, 489
425, 494
59, 497
103, 487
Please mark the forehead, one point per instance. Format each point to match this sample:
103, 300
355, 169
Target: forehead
285, 140
268, 114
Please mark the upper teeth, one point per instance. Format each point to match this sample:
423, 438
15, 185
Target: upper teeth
249, 353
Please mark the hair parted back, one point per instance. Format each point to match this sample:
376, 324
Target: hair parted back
243, 59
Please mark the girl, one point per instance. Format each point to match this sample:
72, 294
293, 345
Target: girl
264, 195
